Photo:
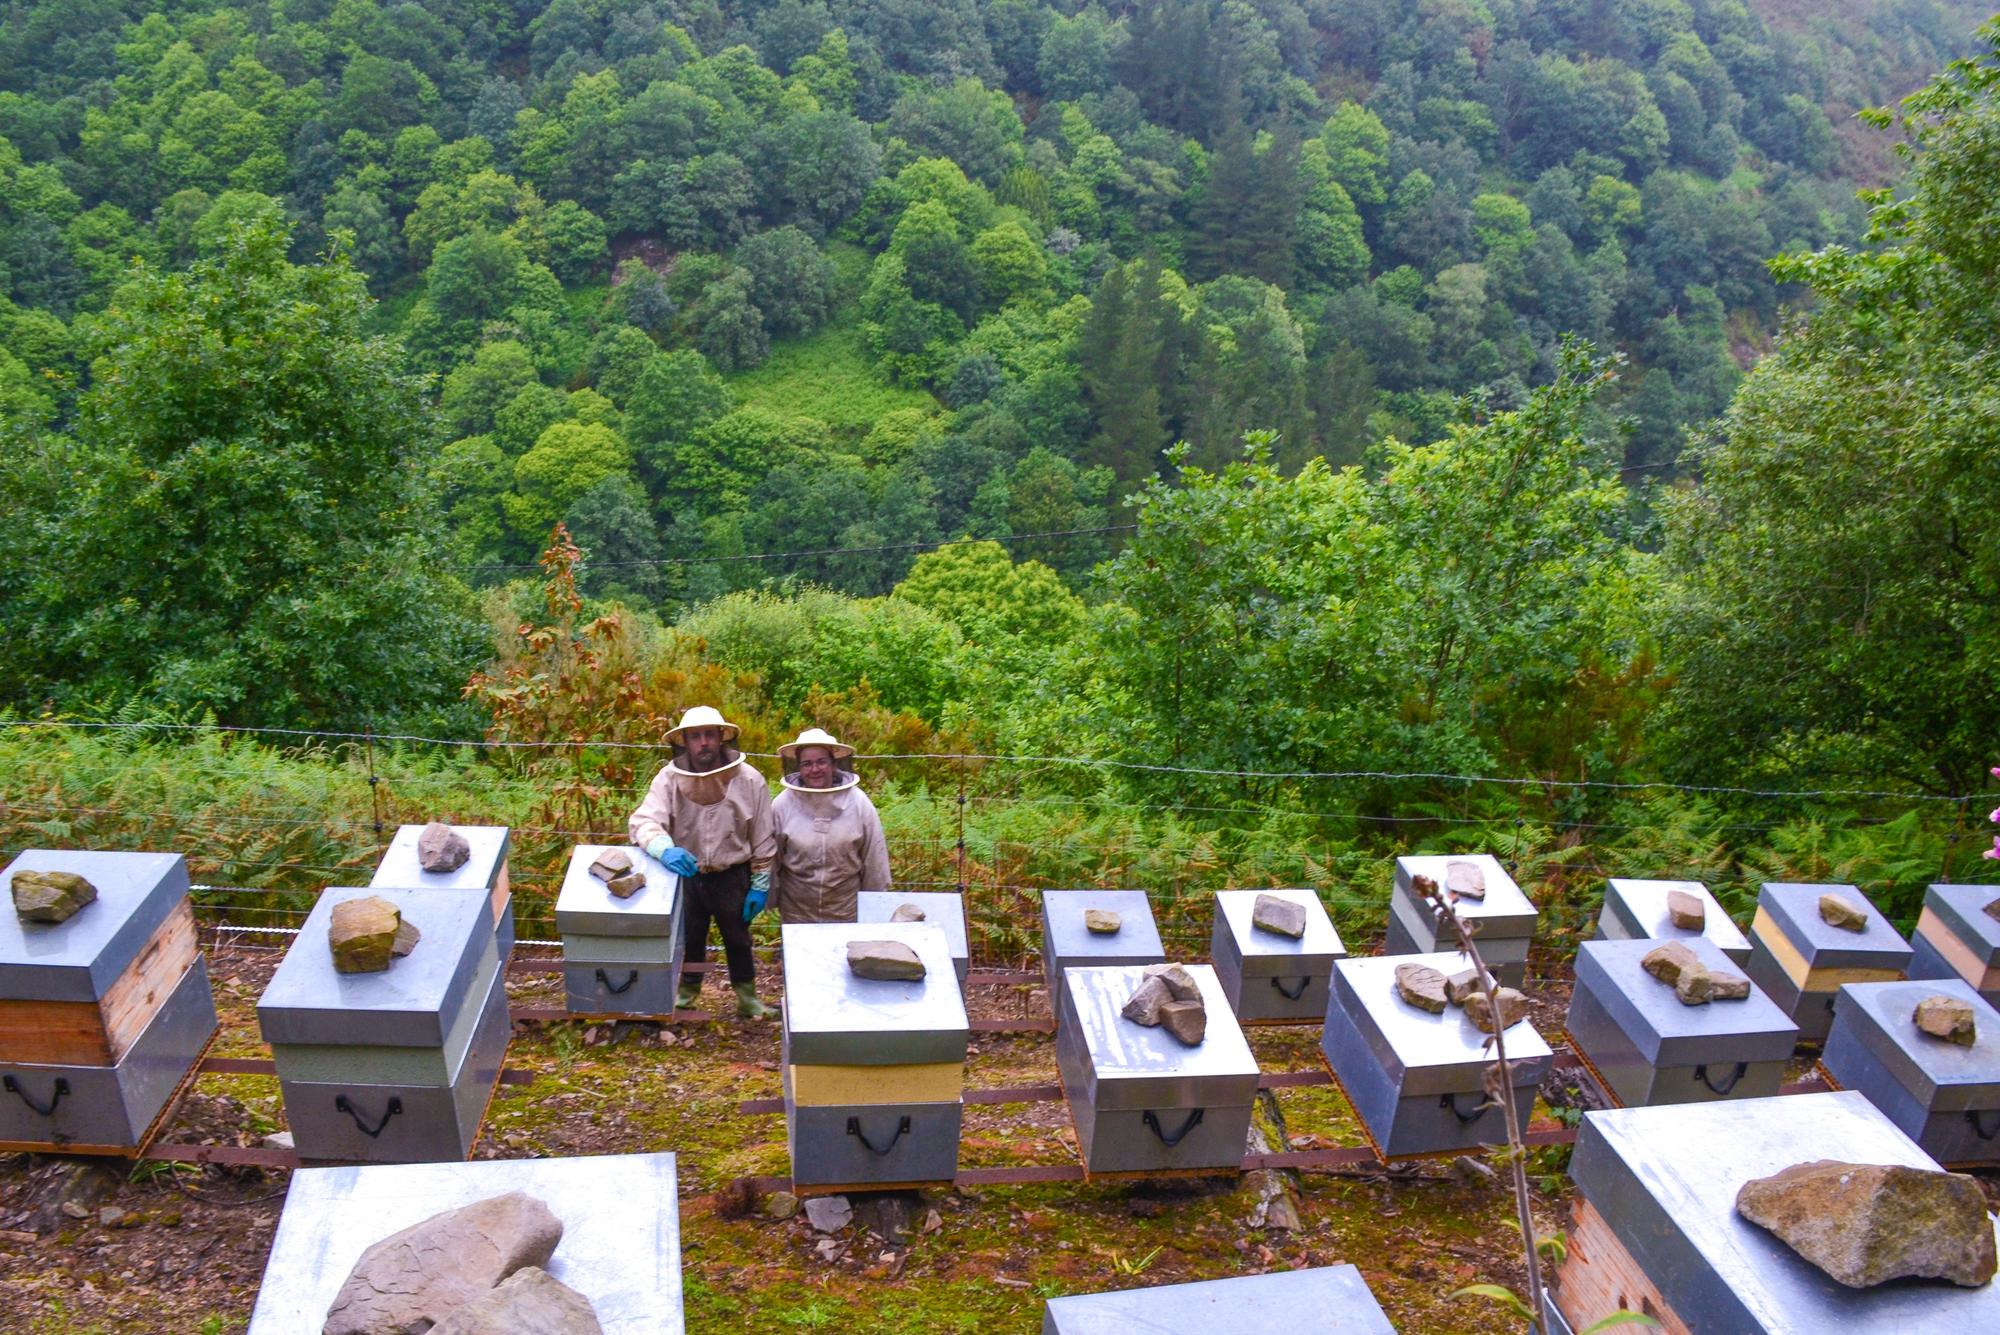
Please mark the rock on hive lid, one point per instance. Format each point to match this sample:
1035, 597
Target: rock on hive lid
1794, 909
1425, 1053
1504, 910
1944, 1077
76, 960
411, 1004
401, 867
585, 906
833, 1018
1063, 911
1665, 1179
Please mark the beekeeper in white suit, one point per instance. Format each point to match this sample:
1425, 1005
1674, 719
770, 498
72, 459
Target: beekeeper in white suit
830, 844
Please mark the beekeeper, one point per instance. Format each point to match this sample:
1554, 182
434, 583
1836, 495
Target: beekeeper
707, 819
830, 844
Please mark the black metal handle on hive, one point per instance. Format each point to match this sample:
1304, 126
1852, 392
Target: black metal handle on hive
1979, 1127
62, 1088
615, 988
1451, 1101
395, 1106
1292, 993
1701, 1074
854, 1129
1152, 1121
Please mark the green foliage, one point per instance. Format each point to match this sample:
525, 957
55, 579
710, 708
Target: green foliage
567, 460
822, 640
1837, 563
244, 474
978, 587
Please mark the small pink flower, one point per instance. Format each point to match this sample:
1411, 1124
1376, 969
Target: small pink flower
1994, 852
1995, 816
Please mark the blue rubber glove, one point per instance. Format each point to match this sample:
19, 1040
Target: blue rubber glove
676, 860
760, 892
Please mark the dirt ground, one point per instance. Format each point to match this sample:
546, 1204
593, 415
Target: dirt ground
100, 1246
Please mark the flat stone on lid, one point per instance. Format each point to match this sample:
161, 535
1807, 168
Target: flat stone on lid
1465, 879
1283, 917
1103, 922
885, 961
1685, 911
1837, 912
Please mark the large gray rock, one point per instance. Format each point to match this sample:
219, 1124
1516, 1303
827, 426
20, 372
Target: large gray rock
1145, 1004
1269, 913
1513, 1009
1837, 912
1421, 986
1947, 1018
410, 1281
441, 848
1178, 980
1465, 880
1103, 922
1185, 1020
1685, 911
829, 1214
363, 934
1866, 1224
530, 1301
884, 961
50, 896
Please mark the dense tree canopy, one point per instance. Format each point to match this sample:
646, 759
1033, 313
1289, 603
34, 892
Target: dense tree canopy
332, 306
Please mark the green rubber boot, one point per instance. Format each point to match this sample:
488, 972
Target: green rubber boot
685, 998
747, 1005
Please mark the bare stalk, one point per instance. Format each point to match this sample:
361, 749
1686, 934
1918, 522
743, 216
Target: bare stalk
1517, 1149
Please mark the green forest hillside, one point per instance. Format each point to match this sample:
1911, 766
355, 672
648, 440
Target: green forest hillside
1352, 387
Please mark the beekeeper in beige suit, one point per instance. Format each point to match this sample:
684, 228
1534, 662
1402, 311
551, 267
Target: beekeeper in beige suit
830, 844
707, 819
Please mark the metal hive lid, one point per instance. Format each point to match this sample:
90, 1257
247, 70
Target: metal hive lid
1063, 910
1665, 1179
1332, 1299
78, 959
1321, 944
585, 907
833, 1018
1963, 909
1506, 910
1425, 1053
1133, 1066
1669, 1033
1942, 1076
400, 868
1642, 906
1794, 908
412, 1003
620, 1248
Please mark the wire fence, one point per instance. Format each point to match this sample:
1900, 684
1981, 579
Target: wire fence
261, 853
